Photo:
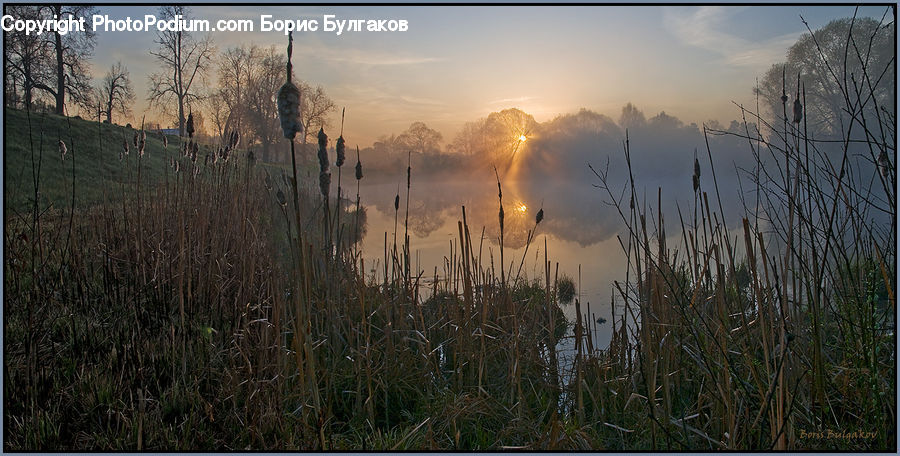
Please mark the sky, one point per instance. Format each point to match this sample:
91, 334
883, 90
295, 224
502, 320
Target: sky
458, 64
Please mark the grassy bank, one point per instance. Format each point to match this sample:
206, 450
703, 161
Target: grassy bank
174, 301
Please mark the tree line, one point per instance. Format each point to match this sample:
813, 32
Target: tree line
52, 71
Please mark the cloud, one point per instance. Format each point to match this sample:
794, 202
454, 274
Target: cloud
503, 101
364, 57
705, 27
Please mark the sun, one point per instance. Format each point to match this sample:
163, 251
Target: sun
522, 208
523, 138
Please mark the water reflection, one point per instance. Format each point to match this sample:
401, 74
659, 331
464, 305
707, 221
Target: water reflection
578, 227
571, 211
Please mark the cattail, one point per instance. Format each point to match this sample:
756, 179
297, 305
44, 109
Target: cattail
884, 165
62, 150
281, 199
359, 174
234, 139
288, 100
324, 183
397, 202
184, 149
501, 218
323, 151
784, 97
135, 139
125, 146
189, 128
165, 142
798, 107
194, 149
340, 152
539, 217
696, 178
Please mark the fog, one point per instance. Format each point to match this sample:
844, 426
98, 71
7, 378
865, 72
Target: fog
551, 169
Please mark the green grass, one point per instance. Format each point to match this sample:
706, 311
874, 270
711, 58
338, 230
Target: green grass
93, 151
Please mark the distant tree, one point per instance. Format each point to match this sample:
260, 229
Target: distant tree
665, 121
494, 139
315, 106
70, 55
184, 59
237, 66
249, 77
262, 113
50, 63
632, 117
470, 140
26, 56
116, 92
421, 139
828, 63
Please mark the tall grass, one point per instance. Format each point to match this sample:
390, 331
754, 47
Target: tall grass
196, 307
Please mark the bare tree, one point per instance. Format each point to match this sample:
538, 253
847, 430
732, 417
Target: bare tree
236, 67
262, 113
116, 93
26, 56
315, 105
422, 139
70, 55
184, 59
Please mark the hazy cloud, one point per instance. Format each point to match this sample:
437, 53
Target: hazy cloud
706, 27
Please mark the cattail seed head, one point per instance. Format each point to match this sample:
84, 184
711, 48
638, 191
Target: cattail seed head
501, 218
324, 183
135, 139
884, 165
189, 128
539, 217
696, 177
125, 146
323, 151
397, 202
288, 103
340, 149
165, 142
798, 111
280, 197
359, 174
235, 139
62, 149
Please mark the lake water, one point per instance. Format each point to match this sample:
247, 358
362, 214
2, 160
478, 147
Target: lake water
580, 230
